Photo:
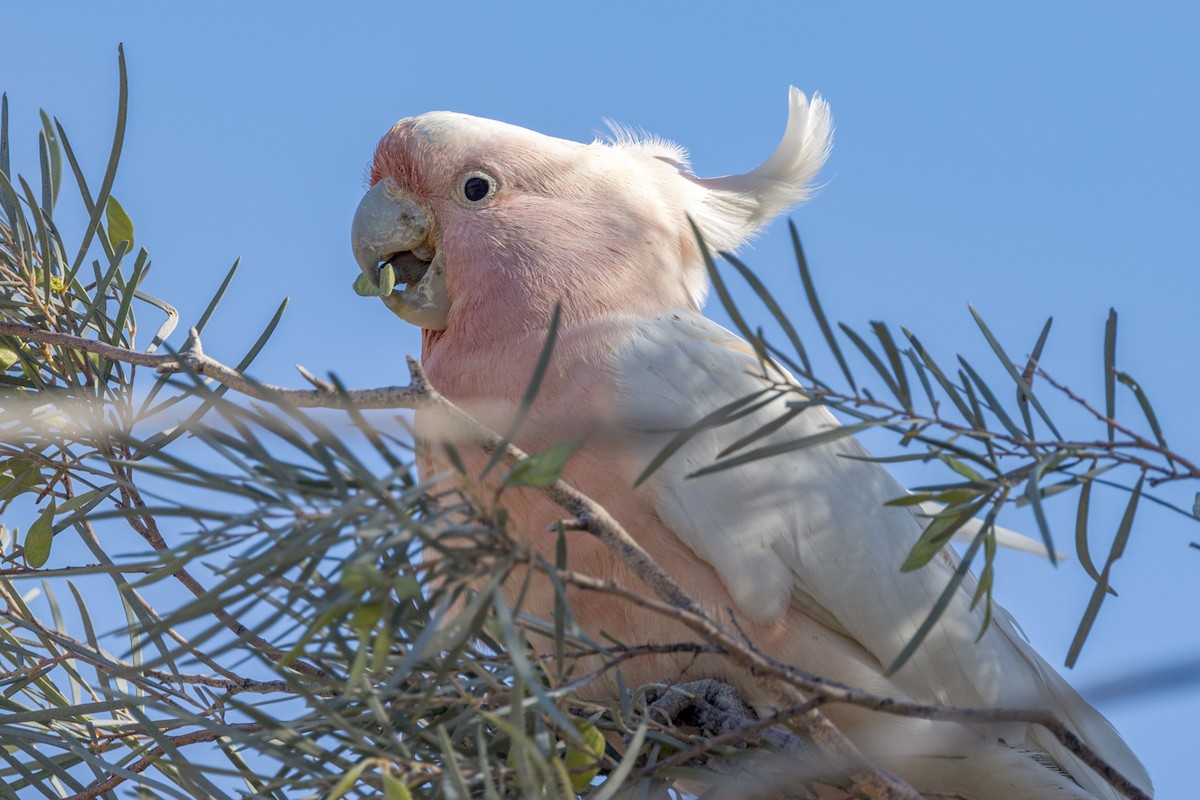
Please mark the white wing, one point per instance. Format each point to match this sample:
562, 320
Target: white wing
809, 529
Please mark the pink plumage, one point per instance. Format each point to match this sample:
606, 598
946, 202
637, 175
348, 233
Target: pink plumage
513, 224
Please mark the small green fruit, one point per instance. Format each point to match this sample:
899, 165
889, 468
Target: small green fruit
583, 763
8, 357
364, 618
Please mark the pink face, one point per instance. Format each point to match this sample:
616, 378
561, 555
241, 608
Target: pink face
524, 222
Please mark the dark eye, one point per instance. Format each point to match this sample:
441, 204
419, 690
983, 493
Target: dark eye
477, 188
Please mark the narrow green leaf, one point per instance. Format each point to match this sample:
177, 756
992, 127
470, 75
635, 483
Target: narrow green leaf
394, 788
904, 393
984, 434
95, 212
561, 607
167, 326
986, 578
793, 411
4, 167
97, 207
909, 499
94, 311
874, 360
1024, 388
1051, 490
811, 292
81, 500
261, 341
54, 153
120, 226
770, 451
127, 294
1034, 493
18, 225
787, 360
541, 470
920, 368
1102, 586
218, 295
347, 781
53, 716
42, 235
1144, 402
454, 457
962, 469
1035, 356
939, 532
1029, 373
159, 441
924, 458
942, 380
953, 497
531, 390
515, 644
39, 538
1082, 550
1110, 371
992, 402
456, 786
780, 317
47, 182
89, 630
719, 416
718, 284
940, 605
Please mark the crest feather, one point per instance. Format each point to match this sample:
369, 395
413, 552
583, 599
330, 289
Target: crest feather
636, 140
735, 207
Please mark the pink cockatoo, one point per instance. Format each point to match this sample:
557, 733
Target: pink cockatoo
492, 226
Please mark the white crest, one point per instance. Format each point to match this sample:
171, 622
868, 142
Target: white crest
734, 207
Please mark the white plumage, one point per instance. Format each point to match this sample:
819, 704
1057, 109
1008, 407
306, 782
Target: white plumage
801, 546
809, 530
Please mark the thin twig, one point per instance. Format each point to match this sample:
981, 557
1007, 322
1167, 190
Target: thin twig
155, 753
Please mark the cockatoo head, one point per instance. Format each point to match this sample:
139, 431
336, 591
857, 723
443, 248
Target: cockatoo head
489, 225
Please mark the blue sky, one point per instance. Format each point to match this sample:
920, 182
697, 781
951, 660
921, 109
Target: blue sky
1034, 159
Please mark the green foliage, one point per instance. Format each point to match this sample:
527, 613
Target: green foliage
543, 468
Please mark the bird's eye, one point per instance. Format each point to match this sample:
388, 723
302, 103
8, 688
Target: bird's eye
478, 186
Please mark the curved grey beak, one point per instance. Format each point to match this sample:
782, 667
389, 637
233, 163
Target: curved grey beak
392, 230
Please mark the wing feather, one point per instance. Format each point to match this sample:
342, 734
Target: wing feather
809, 530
